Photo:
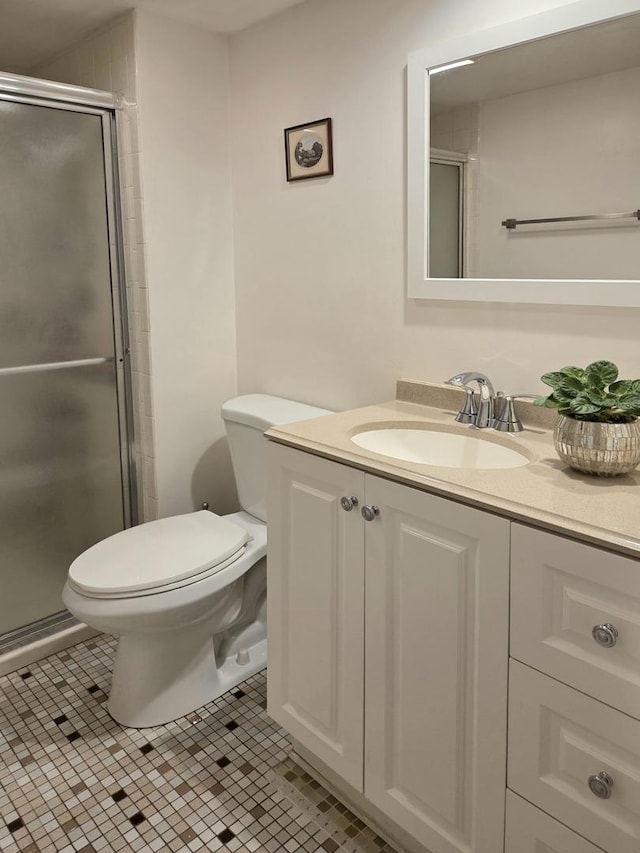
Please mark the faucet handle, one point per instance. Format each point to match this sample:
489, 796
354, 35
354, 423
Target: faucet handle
507, 420
469, 411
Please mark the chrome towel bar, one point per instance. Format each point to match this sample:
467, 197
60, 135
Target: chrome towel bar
511, 224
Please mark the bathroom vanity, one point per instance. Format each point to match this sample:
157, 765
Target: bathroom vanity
456, 647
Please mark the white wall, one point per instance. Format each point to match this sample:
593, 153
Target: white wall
560, 151
183, 88
320, 265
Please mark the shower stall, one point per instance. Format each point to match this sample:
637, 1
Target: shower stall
66, 472
447, 173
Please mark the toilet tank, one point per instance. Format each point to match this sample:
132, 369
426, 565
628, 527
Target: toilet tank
246, 418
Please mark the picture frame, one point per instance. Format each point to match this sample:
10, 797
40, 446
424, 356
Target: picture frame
309, 150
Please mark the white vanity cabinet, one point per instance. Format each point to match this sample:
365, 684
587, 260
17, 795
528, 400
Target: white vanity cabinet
388, 645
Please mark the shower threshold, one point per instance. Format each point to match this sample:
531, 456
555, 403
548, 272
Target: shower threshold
40, 639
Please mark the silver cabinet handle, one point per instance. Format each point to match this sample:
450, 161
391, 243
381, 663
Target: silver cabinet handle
369, 512
601, 785
348, 504
605, 635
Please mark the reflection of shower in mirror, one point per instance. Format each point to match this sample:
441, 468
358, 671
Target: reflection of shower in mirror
447, 247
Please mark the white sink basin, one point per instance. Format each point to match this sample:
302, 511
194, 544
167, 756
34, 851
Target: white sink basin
431, 447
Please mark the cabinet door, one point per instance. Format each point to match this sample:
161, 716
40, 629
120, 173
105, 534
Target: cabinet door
315, 582
437, 597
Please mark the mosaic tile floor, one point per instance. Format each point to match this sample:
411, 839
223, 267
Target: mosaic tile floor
71, 779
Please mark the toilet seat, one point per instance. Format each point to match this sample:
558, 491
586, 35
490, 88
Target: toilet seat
158, 556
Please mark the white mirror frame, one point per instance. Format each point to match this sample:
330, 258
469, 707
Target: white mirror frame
419, 285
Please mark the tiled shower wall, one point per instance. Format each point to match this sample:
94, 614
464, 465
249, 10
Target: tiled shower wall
107, 60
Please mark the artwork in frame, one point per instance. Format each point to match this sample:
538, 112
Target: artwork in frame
309, 150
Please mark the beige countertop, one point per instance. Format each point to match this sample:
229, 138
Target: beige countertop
546, 493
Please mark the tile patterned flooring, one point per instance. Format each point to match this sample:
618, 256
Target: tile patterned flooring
72, 780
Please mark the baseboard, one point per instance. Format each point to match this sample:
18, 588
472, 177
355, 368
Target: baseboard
25, 655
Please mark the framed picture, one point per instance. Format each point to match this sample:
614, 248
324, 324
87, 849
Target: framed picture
308, 150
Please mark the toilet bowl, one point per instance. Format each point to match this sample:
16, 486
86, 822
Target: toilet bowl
186, 595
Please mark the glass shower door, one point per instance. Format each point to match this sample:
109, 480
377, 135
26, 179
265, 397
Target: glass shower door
63, 478
445, 221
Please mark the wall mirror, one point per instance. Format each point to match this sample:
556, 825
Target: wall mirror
524, 162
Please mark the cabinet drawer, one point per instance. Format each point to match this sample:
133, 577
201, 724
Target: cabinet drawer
528, 830
560, 591
558, 740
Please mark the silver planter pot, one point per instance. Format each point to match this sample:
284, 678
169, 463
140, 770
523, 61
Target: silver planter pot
602, 449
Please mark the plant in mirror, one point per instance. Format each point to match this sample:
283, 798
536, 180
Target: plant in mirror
524, 172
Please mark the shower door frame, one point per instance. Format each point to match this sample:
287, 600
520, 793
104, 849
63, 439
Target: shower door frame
441, 157
42, 93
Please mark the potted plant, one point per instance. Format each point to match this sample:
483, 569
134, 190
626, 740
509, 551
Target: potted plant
597, 430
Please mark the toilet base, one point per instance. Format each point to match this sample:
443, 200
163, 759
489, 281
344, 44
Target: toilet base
231, 673
155, 682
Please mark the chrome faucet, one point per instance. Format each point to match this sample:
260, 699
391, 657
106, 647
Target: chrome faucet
481, 414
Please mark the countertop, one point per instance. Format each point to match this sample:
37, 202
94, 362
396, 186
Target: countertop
603, 511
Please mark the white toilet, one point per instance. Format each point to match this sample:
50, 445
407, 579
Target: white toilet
186, 595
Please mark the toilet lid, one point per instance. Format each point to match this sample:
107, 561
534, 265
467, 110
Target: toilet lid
157, 553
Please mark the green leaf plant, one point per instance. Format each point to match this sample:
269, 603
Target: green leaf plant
592, 394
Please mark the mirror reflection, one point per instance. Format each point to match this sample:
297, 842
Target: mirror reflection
547, 130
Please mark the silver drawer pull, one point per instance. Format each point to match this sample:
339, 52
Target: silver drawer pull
369, 512
605, 635
601, 785
348, 504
